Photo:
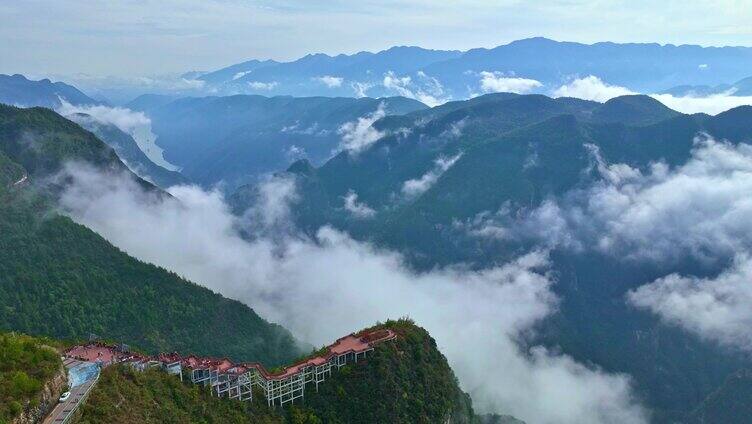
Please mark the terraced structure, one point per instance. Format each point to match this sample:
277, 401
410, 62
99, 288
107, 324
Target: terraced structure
236, 380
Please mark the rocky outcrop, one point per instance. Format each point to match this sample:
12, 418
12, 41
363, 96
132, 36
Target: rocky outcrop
38, 408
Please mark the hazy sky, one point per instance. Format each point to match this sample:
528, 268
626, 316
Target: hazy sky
142, 37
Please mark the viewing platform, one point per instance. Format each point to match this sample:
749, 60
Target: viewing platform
236, 380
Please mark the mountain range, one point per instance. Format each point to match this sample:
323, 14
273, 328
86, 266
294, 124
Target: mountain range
20, 91
62, 280
238, 138
129, 152
742, 87
17, 90
435, 76
453, 74
426, 186
423, 159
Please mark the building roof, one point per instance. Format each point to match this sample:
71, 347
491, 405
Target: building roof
354, 343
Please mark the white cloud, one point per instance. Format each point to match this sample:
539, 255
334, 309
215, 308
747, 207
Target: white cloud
271, 212
360, 134
591, 88
240, 75
697, 211
477, 317
548, 225
718, 308
662, 215
497, 82
330, 81
712, 104
455, 129
167, 82
137, 124
617, 173
294, 153
357, 209
361, 88
191, 84
391, 81
427, 89
416, 187
314, 129
267, 86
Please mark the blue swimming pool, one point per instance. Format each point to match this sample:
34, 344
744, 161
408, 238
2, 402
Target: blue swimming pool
82, 373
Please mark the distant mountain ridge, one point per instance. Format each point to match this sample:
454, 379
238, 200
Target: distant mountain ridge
235, 139
128, 151
441, 75
642, 67
742, 87
17, 90
321, 74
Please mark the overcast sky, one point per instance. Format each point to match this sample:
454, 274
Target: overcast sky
146, 37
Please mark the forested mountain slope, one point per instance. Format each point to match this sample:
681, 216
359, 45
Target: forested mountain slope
128, 151
60, 279
235, 139
730, 403
27, 365
406, 380
477, 183
19, 91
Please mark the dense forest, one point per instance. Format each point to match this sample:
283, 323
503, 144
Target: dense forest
125, 396
60, 279
410, 377
26, 363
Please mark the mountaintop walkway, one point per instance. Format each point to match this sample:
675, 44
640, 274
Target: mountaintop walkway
236, 379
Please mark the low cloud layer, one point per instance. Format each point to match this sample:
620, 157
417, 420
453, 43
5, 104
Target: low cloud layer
593, 88
358, 135
263, 86
497, 82
713, 104
358, 210
423, 88
477, 317
665, 215
240, 75
697, 209
415, 187
136, 124
718, 309
330, 81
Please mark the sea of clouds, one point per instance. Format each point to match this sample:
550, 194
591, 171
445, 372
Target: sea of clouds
480, 319
664, 215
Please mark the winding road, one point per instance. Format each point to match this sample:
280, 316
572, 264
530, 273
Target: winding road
64, 410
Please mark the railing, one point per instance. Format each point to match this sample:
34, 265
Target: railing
236, 379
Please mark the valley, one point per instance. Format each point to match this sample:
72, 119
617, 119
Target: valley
473, 213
